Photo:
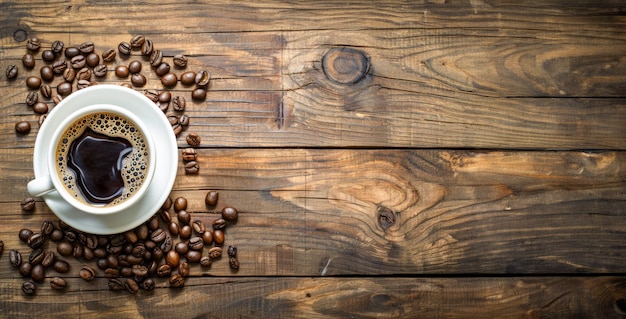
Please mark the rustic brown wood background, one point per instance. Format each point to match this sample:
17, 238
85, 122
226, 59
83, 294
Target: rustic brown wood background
493, 131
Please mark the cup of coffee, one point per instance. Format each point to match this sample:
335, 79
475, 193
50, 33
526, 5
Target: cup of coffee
101, 160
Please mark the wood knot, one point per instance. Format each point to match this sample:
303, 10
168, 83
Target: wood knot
386, 217
345, 65
20, 35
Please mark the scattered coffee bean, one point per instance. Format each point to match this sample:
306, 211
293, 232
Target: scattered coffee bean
177, 128
137, 41
215, 252
131, 285
58, 67
115, 284
35, 240
198, 94
15, 258
193, 256
234, 263
185, 232
147, 47
58, 283
26, 269
49, 259
188, 78
124, 48
46, 73
172, 119
180, 203
57, 46
178, 102
156, 59
232, 251
230, 213
134, 67
47, 227
183, 120
81, 84
108, 55
42, 118
71, 52
164, 270
92, 59
69, 75
28, 60
206, 261
165, 216
172, 258
181, 248
148, 284
78, 62
121, 71
196, 243
202, 78
169, 80
64, 89
45, 90
184, 217
11, 72
38, 274
192, 167
189, 154
36, 256
65, 248
48, 55
86, 47
177, 281
139, 270
211, 197
84, 74
152, 95
87, 273
183, 269
158, 236
174, 229
219, 223
29, 287
57, 235
100, 70
33, 82
33, 44
180, 60
138, 80
57, 99
218, 237
24, 233
22, 127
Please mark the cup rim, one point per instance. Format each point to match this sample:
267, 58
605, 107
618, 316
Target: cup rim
65, 124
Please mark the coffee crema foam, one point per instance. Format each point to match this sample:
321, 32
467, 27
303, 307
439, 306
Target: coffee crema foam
134, 165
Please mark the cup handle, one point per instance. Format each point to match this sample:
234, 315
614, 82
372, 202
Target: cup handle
40, 186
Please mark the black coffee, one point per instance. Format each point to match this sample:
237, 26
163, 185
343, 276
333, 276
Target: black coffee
102, 159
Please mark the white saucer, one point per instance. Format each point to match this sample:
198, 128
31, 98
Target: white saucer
166, 154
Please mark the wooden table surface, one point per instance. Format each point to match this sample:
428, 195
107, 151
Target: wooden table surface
393, 159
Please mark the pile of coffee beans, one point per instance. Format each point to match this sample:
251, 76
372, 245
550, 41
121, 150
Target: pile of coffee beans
167, 246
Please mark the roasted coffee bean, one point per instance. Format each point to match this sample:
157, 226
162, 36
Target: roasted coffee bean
112, 261
140, 270
58, 67
63, 225
15, 258
138, 80
71, 236
211, 198
131, 285
47, 227
184, 218
143, 231
181, 248
206, 261
172, 119
64, 89
180, 203
177, 128
49, 259
91, 241
28, 203
58, 283
124, 48
57, 235
163, 106
84, 74
169, 80
121, 71
189, 154
87, 253
71, 52
22, 127
178, 102
78, 62
174, 229
183, 269
167, 244
232, 251
164, 270
45, 90
24, 233
33, 44
78, 251
126, 272
193, 139
193, 256
185, 232
219, 223
163, 68
156, 59
108, 55
92, 59
152, 267
87, 273
158, 235
234, 263
196, 243
26, 269
65, 249
218, 237
215, 252
134, 67
183, 120
147, 47
198, 226
42, 118
157, 253
35, 240
38, 274
192, 167
164, 97
46, 73
69, 75
48, 55
36, 256
207, 237
230, 213
138, 251
180, 60
61, 266
172, 258
29, 287
148, 284
177, 281
100, 70
33, 82
202, 78
165, 216
115, 284
11, 72
81, 84
86, 47
57, 46
188, 78
28, 61
153, 95
137, 41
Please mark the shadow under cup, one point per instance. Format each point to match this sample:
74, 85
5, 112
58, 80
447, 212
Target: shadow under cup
102, 159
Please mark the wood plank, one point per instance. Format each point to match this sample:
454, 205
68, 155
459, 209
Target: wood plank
285, 297
312, 212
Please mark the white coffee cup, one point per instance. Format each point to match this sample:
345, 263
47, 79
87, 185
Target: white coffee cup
52, 181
